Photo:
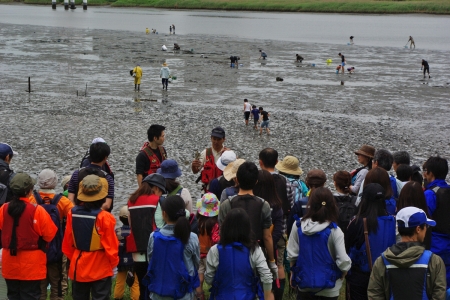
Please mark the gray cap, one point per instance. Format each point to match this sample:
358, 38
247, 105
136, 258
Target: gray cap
47, 179
156, 180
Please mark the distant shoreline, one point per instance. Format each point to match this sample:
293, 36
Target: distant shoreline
438, 7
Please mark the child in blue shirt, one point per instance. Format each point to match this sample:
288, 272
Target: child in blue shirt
255, 115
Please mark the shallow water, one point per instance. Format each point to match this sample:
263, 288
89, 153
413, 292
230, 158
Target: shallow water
429, 31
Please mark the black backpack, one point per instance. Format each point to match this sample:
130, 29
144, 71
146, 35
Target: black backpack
5, 193
440, 214
347, 210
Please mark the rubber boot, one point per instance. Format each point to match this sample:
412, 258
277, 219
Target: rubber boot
139, 87
135, 87
277, 291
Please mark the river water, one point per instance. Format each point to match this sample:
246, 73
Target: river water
429, 31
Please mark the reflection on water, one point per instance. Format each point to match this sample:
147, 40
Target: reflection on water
429, 31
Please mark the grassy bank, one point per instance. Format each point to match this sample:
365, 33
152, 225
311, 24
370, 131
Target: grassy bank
328, 6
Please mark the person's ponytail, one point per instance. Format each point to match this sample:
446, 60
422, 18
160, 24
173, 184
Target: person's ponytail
16, 207
174, 207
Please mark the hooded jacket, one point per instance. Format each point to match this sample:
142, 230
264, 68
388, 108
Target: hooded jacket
336, 248
403, 255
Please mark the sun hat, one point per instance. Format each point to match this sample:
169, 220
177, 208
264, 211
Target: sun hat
98, 140
169, 169
156, 180
373, 192
47, 179
20, 183
218, 132
6, 149
164, 64
289, 165
123, 212
230, 171
413, 217
92, 188
316, 178
65, 180
208, 206
225, 159
366, 150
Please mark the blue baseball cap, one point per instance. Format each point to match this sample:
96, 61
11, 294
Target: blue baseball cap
413, 217
6, 149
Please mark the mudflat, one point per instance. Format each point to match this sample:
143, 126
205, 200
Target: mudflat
315, 114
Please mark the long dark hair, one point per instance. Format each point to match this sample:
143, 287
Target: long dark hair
322, 206
206, 224
236, 228
171, 184
371, 208
17, 206
144, 189
412, 195
174, 207
380, 176
265, 188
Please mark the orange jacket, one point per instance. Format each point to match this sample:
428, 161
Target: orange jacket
95, 265
29, 264
64, 204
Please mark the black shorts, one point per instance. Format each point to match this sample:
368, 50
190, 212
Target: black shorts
247, 115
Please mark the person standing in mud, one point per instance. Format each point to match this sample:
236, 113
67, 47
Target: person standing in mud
342, 62
263, 54
173, 28
206, 163
426, 68
170, 28
351, 39
412, 42
137, 72
164, 73
152, 153
247, 110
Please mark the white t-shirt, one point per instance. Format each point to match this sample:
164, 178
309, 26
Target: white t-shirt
247, 106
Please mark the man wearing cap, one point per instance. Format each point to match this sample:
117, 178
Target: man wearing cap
137, 72
406, 270
26, 229
6, 174
209, 157
220, 183
99, 153
87, 158
90, 242
152, 153
56, 270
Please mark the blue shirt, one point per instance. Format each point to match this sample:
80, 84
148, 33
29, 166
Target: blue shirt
430, 196
255, 113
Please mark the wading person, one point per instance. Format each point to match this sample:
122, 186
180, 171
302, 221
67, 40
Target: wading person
406, 270
351, 39
298, 58
426, 68
152, 153
265, 121
90, 242
247, 110
263, 54
412, 42
137, 72
164, 74
206, 163
342, 62
26, 230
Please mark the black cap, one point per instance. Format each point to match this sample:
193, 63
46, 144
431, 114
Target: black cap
156, 180
373, 192
218, 132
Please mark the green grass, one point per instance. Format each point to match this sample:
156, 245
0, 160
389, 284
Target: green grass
329, 6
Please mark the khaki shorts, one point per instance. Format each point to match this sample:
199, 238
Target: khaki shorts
281, 248
202, 266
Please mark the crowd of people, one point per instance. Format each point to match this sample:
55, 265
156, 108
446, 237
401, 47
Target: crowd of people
255, 230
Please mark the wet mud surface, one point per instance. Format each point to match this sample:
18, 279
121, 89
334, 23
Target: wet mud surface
316, 115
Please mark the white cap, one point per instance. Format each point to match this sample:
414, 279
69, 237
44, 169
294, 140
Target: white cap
98, 140
227, 157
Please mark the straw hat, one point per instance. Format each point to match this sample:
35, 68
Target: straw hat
230, 171
289, 165
366, 150
92, 188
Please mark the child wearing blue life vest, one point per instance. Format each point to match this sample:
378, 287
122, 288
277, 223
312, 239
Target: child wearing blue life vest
173, 254
236, 267
125, 274
316, 249
208, 229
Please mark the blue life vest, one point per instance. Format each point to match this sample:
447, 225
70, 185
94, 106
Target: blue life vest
235, 278
391, 206
167, 275
379, 242
125, 258
409, 283
85, 235
54, 251
315, 268
393, 181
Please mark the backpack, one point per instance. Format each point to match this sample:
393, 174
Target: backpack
4, 188
347, 210
301, 190
440, 214
54, 251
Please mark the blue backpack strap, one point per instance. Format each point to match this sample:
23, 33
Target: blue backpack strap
38, 197
56, 199
297, 220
